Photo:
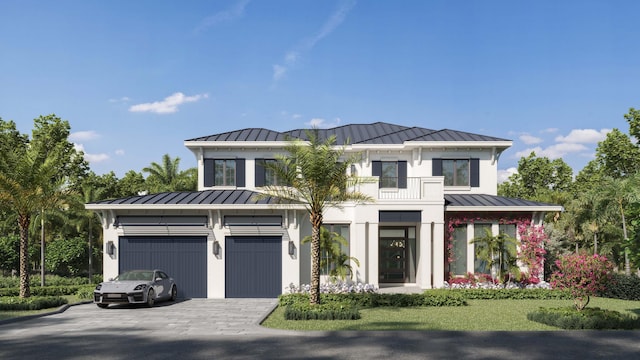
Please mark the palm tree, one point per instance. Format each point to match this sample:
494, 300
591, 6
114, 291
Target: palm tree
333, 260
24, 188
315, 174
499, 252
168, 177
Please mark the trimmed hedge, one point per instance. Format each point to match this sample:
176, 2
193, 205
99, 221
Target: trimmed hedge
46, 291
50, 280
326, 311
509, 294
588, 319
623, 287
369, 300
14, 303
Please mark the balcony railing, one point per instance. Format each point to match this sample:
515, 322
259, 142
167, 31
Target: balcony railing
417, 188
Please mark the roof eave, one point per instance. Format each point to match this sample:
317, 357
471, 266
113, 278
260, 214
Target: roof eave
549, 208
192, 206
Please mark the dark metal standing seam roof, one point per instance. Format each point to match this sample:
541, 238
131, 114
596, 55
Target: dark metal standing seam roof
374, 133
206, 197
484, 200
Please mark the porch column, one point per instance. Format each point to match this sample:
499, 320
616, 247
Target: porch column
423, 272
438, 254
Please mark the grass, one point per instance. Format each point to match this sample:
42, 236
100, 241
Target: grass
11, 314
480, 315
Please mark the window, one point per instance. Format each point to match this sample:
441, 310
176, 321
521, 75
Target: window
480, 231
224, 172
455, 172
392, 174
389, 177
459, 252
330, 261
265, 175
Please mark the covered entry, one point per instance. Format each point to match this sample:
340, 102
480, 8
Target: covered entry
183, 257
253, 266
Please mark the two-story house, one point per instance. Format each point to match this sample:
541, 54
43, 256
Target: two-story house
435, 191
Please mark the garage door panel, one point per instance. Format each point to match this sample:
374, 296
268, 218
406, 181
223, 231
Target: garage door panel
183, 258
253, 267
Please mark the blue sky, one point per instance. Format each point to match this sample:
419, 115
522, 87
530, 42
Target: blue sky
137, 78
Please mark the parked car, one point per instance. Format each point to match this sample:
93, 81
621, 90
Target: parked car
136, 287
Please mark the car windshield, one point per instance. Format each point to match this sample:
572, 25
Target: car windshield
136, 275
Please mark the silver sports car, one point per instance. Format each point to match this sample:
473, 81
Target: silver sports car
136, 287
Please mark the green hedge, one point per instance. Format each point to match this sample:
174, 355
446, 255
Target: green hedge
326, 311
509, 294
623, 287
369, 300
589, 318
47, 290
14, 303
50, 280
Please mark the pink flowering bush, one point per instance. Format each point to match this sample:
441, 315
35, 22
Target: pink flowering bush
583, 276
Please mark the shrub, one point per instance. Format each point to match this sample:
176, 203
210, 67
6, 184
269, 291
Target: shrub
326, 311
582, 275
592, 318
369, 300
622, 287
511, 294
85, 292
44, 291
14, 303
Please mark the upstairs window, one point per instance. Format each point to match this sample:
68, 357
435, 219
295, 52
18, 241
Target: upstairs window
455, 172
265, 176
392, 174
458, 172
224, 172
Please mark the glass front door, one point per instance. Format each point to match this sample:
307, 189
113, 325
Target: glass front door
395, 254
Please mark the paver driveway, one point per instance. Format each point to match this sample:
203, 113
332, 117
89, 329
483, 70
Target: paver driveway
190, 318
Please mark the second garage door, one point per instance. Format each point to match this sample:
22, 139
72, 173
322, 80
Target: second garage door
253, 267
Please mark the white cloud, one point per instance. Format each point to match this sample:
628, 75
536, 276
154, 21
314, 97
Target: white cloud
168, 105
554, 151
503, 175
120, 152
122, 99
322, 123
292, 56
92, 158
549, 130
530, 140
584, 136
83, 136
233, 13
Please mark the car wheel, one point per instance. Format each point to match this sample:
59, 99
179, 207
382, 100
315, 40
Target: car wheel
174, 293
102, 306
151, 298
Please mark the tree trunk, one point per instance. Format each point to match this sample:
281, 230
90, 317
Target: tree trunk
23, 224
42, 282
627, 266
90, 253
316, 223
595, 244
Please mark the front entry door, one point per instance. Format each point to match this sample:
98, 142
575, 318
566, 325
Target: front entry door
394, 256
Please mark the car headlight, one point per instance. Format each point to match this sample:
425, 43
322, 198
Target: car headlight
140, 287
99, 286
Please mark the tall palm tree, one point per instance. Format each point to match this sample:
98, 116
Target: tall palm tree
315, 174
24, 188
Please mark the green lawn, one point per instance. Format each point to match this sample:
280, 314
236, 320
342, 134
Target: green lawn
482, 315
11, 314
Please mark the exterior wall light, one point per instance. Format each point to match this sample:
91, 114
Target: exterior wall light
216, 248
111, 248
292, 248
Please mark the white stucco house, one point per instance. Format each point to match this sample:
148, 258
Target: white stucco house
435, 190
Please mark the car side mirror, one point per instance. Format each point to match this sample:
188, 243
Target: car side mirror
158, 279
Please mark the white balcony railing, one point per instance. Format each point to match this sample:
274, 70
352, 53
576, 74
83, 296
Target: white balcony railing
418, 188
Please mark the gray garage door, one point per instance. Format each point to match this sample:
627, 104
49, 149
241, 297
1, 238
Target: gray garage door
253, 267
183, 258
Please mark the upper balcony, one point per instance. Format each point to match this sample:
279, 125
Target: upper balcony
430, 188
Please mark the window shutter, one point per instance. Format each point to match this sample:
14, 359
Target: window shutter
402, 174
376, 169
474, 180
259, 172
240, 173
436, 169
208, 172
